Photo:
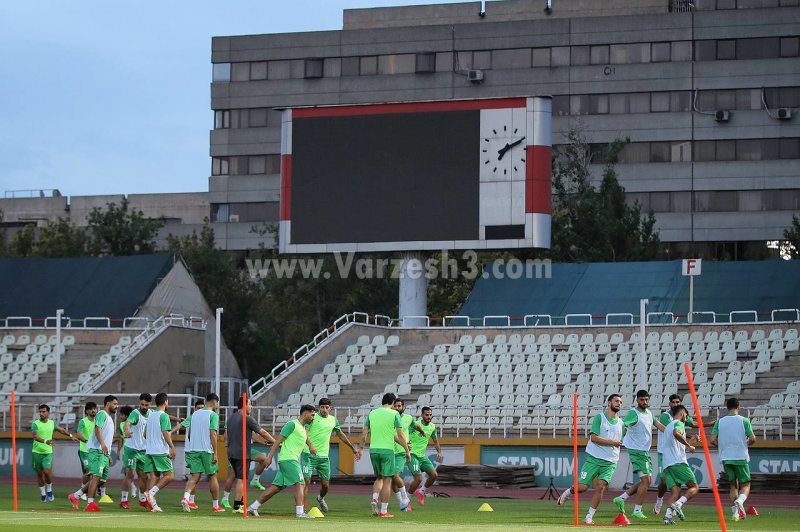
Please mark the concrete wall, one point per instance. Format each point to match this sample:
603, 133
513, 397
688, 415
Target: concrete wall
169, 364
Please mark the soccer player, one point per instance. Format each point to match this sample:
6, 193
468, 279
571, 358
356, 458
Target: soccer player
159, 449
234, 442
605, 438
665, 418
43, 429
733, 434
185, 424
99, 448
85, 428
398, 485
676, 467
134, 429
315, 455
201, 452
421, 434
291, 441
385, 427
638, 439
126, 454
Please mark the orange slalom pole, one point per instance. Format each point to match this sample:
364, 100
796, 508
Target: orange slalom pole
245, 456
14, 447
575, 453
723, 526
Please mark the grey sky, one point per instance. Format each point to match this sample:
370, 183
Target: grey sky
104, 96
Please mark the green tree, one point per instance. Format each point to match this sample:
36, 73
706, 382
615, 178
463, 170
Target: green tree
61, 239
24, 242
118, 230
596, 225
792, 236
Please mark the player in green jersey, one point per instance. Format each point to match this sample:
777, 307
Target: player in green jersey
665, 418
676, 466
43, 429
422, 432
733, 434
291, 441
125, 455
639, 423
199, 404
315, 454
384, 428
398, 485
85, 428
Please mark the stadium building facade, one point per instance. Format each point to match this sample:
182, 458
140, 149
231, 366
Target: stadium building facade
707, 91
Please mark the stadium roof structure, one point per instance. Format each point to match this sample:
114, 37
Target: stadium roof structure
115, 287
603, 288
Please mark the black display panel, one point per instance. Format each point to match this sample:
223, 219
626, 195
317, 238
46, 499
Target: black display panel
385, 178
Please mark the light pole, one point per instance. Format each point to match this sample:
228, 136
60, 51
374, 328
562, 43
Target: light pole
217, 349
59, 313
642, 354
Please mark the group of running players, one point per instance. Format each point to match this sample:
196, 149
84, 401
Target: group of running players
145, 446
732, 434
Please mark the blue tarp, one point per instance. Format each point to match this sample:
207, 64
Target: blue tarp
112, 287
603, 288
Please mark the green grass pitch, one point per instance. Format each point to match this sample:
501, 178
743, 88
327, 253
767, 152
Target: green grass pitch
347, 512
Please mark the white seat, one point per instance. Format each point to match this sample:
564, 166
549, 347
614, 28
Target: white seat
362, 340
358, 369
392, 341
68, 340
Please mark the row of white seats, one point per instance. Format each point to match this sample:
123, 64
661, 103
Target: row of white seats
378, 339
365, 350
788, 400
616, 338
40, 339
345, 359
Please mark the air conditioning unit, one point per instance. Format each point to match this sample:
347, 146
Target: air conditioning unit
722, 116
233, 218
784, 114
475, 76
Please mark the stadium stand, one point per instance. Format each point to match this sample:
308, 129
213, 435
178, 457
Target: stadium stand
521, 378
116, 311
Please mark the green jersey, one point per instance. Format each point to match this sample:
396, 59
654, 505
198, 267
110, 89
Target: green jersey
85, 429
406, 421
383, 424
295, 439
43, 429
319, 432
419, 442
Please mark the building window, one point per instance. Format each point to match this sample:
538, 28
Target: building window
579, 55
579, 104
659, 102
263, 211
659, 52
598, 104
726, 150
513, 58
790, 46
221, 72
541, 57
750, 200
680, 101
222, 119
219, 166
681, 201
368, 65
240, 72
350, 66
258, 117
726, 49
681, 51
659, 152
705, 50
705, 150
313, 68
444, 61
599, 55
279, 70
629, 53
425, 62
483, 60
639, 102
397, 64
258, 70
761, 48
561, 105
789, 148
559, 56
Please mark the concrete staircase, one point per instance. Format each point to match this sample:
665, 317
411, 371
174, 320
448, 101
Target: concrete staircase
374, 380
779, 376
75, 360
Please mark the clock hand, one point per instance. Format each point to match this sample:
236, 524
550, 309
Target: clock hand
502, 151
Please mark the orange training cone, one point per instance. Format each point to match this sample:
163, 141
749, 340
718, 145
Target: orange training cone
752, 511
621, 520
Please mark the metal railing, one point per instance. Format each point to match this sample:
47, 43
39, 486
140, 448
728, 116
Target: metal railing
66, 414
280, 371
138, 343
93, 322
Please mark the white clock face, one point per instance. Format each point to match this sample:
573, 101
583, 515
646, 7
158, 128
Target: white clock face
502, 144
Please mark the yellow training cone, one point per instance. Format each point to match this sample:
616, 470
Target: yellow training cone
485, 508
314, 512
105, 499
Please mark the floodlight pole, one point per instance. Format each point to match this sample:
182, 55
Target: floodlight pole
217, 353
59, 313
642, 370
413, 288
